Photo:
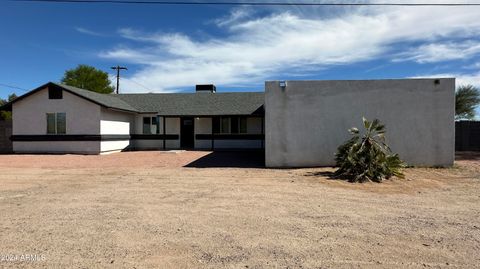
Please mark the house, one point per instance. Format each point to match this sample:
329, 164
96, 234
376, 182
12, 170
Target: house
298, 123
56, 118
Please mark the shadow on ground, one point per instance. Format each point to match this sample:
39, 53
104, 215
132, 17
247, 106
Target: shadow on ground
467, 155
327, 174
234, 159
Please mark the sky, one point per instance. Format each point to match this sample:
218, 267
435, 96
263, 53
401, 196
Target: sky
170, 48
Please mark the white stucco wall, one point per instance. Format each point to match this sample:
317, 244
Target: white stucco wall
77, 147
204, 126
254, 125
29, 114
238, 144
308, 120
172, 127
115, 122
29, 118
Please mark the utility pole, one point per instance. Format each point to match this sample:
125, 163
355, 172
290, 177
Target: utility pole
118, 68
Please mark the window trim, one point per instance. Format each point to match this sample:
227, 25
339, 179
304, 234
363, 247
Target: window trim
55, 123
229, 125
238, 121
150, 121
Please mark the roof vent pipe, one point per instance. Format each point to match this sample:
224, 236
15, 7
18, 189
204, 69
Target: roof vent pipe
206, 88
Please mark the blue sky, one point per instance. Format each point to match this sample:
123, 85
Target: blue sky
172, 48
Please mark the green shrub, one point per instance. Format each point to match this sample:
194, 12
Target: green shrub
367, 157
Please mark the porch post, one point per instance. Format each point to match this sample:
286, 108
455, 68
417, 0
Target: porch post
164, 131
263, 132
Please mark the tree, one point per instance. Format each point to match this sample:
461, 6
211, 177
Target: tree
7, 115
367, 157
88, 78
467, 98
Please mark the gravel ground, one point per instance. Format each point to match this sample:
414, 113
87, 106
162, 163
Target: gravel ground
147, 210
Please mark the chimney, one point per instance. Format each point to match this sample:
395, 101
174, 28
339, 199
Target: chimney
206, 88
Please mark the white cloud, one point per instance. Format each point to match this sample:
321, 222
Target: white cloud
437, 52
88, 32
460, 78
236, 15
259, 48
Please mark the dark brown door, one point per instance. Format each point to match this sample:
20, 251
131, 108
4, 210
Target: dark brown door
187, 138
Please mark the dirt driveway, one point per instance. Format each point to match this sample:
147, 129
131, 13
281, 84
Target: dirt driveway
166, 210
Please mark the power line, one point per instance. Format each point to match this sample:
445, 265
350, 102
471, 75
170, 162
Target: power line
242, 3
143, 86
13, 87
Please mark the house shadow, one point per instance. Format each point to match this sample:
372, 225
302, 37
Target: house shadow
232, 159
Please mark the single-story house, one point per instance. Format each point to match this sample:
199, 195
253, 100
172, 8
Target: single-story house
56, 118
298, 123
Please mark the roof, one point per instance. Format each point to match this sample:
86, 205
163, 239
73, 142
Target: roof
106, 100
197, 104
169, 104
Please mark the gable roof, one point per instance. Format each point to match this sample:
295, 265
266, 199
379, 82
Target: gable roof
168, 104
105, 100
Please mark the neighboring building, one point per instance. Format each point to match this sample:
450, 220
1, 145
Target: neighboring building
303, 121
56, 118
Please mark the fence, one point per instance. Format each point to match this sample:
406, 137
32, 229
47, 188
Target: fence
467, 136
5, 133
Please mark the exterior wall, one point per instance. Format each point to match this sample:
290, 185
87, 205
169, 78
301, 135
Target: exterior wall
254, 125
29, 118
65, 147
115, 123
238, 144
172, 127
83, 117
307, 120
204, 126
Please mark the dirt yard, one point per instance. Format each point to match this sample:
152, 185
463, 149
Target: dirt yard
190, 210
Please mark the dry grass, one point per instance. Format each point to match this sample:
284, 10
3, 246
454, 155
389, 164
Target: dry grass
145, 210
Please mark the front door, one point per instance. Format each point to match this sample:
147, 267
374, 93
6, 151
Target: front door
187, 133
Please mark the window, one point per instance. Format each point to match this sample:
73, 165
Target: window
243, 125
234, 125
56, 123
55, 93
51, 129
225, 125
150, 125
230, 125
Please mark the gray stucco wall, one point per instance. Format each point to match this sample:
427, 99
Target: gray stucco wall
307, 120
